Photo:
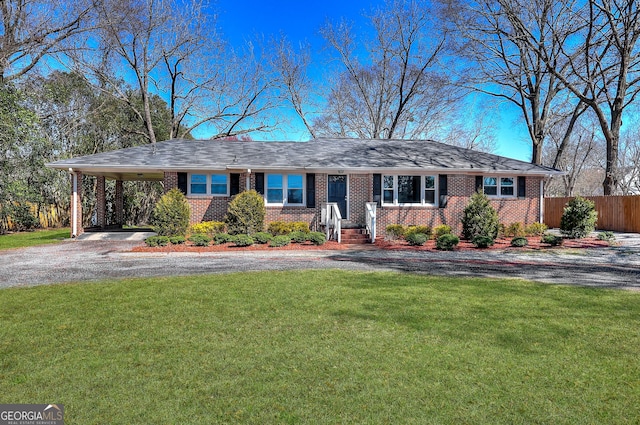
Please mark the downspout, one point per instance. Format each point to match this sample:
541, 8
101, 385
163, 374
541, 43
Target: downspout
74, 208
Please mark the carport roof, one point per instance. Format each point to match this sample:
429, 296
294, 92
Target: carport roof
316, 155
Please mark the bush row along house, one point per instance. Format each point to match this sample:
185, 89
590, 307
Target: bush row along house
398, 181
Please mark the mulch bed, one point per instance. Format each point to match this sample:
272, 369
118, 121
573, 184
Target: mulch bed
500, 244
187, 247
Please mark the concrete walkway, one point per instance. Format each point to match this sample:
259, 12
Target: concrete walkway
99, 260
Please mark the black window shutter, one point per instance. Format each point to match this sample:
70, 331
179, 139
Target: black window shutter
311, 190
260, 183
443, 190
522, 186
377, 188
479, 184
182, 182
234, 181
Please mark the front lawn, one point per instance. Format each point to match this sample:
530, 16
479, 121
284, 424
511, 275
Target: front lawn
323, 347
38, 237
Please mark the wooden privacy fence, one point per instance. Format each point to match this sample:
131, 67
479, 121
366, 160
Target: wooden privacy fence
615, 213
47, 215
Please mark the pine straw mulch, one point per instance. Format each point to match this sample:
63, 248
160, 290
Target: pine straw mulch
464, 245
499, 244
188, 247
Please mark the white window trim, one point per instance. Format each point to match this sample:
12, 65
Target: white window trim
285, 182
422, 202
208, 185
499, 187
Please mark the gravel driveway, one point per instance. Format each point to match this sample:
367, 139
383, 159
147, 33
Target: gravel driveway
71, 261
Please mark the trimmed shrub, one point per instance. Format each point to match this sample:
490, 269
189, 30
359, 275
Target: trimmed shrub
208, 227
245, 213
514, 229
261, 237
535, 229
242, 240
606, 236
442, 229
177, 240
317, 238
220, 238
300, 226
200, 239
479, 218
519, 241
154, 241
278, 228
281, 240
482, 241
298, 237
395, 231
416, 239
171, 214
579, 218
425, 230
447, 242
552, 240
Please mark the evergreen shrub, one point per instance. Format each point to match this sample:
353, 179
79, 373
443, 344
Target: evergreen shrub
479, 218
171, 214
245, 213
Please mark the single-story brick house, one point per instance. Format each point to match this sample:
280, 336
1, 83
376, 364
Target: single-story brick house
398, 181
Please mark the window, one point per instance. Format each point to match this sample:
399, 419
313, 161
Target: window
274, 189
209, 184
294, 189
285, 189
218, 184
499, 186
403, 190
490, 186
388, 189
409, 189
429, 189
199, 184
506, 186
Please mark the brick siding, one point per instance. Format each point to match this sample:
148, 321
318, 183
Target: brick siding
460, 188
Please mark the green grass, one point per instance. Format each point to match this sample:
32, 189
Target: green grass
38, 237
323, 347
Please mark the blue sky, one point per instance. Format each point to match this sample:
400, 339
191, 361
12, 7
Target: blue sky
300, 21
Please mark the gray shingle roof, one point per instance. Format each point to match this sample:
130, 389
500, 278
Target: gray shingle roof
316, 155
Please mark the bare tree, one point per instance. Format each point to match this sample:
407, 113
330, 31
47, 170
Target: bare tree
576, 152
400, 90
502, 62
629, 162
295, 86
604, 67
171, 48
33, 29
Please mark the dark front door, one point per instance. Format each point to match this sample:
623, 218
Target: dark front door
337, 192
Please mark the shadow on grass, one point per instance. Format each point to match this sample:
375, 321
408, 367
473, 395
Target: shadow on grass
583, 274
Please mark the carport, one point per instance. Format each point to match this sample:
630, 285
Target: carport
77, 227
